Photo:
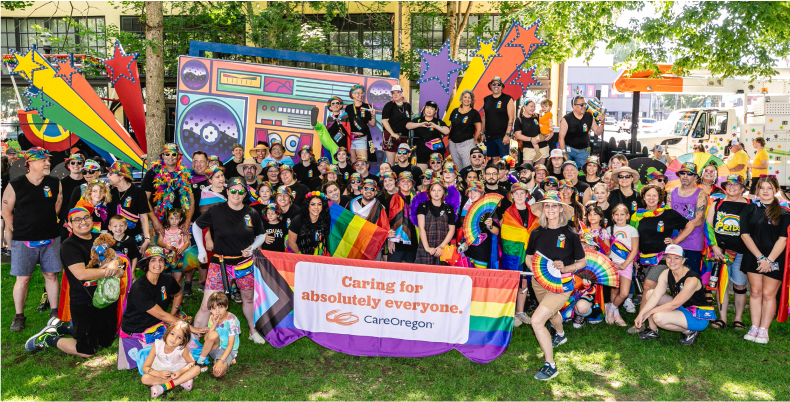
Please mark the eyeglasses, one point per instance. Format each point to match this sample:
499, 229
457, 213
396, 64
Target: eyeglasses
624, 176
686, 173
237, 192
170, 154
91, 171
491, 173
248, 168
578, 104
551, 185
76, 163
86, 219
368, 188
551, 206
403, 152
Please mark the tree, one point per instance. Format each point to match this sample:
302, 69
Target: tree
154, 80
727, 38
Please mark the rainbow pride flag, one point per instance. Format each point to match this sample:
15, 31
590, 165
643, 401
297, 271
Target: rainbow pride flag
515, 238
490, 325
353, 237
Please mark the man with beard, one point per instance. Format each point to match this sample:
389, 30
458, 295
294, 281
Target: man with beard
403, 164
527, 177
299, 190
362, 166
249, 171
199, 179
231, 165
491, 176
168, 185
690, 201
369, 208
478, 160
30, 211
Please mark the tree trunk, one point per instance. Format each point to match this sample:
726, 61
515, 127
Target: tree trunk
450, 25
154, 80
454, 33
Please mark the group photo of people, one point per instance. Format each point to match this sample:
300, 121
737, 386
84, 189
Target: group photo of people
194, 223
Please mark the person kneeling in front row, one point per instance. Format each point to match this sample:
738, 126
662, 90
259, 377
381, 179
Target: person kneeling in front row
685, 309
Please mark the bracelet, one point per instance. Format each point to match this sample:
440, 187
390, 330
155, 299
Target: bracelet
760, 258
150, 369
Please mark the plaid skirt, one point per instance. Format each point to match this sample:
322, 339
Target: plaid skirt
436, 228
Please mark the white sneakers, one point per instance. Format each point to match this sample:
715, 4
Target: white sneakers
257, 338
629, 306
521, 318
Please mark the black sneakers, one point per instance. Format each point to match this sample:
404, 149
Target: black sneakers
187, 290
689, 338
649, 334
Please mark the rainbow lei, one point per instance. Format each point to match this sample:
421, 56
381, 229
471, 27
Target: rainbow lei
165, 184
640, 214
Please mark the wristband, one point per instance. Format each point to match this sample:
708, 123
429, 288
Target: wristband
760, 258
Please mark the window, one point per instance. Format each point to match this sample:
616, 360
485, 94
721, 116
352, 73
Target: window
20, 33
363, 37
428, 33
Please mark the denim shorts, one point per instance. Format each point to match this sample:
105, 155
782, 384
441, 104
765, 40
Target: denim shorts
359, 143
24, 258
496, 149
738, 277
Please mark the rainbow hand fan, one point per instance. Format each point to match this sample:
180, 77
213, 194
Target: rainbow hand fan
549, 277
600, 269
477, 213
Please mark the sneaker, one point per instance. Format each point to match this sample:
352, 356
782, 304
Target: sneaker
236, 295
752, 334
635, 330
649, 334
43, 305
689, 338
201, 287
546, 372
558, 340
257, 338
203, 366
762, 336
187, 385
18, 324
187, 290
630, 308
578, 321
38, 342
523, 318
157, 390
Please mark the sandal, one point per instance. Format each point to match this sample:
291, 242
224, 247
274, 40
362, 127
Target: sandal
738, 325
619, 321
719, 324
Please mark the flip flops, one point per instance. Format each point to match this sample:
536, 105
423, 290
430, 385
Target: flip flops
718, 324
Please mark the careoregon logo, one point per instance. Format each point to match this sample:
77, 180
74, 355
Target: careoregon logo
344, 319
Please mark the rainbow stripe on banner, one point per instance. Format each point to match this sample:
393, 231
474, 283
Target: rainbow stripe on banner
493, 298
353, 237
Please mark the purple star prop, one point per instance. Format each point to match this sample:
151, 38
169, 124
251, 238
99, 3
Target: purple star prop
439, 67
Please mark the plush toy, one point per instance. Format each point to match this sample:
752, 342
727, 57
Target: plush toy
102, 250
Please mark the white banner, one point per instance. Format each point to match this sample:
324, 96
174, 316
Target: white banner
382, 303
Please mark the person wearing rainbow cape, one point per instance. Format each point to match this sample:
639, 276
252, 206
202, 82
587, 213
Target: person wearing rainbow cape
560, 248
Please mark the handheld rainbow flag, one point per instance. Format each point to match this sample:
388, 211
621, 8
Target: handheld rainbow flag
208, 197
515, 238
353, 237
476, 214
549, 277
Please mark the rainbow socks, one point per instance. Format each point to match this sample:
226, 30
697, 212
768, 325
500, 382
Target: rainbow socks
168, 385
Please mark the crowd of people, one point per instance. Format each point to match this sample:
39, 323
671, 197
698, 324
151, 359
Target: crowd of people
182, 223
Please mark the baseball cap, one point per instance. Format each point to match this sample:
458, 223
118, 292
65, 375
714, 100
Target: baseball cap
397, 88
674, 249
556, 153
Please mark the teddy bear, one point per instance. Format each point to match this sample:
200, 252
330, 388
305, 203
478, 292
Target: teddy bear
102, 250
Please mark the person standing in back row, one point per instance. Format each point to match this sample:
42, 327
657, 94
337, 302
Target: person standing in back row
499, 111
394, 117
575, 130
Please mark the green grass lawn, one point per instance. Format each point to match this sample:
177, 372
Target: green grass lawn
598, 362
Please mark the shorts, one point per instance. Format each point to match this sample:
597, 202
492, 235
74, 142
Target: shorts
627, 273
693, 323
214, 279
93, 327
652, 273
496, 149
750, 267
24, 258
217, 353
391, 144
359, 143
552, 301
529, 153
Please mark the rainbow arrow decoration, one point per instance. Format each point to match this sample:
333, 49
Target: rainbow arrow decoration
63, 96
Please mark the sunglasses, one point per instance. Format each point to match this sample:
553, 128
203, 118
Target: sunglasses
237, 192
686, 173
170, 154
368, 188
335, 103
624, 176
477, 156
355, 181
91, 171
661, 180
551, 185
76, 163
579, 104
496, 85
403, 152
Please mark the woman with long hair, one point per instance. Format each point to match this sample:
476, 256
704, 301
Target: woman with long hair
568, 196
309, 232
436, 221
592, 171
764, 232
361, 116
354, 188
707, 180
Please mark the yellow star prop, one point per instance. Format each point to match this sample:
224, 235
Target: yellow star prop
486, 51
26, 65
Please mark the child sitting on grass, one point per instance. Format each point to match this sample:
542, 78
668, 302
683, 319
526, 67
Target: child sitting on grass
124, 243
221, 341
169, 363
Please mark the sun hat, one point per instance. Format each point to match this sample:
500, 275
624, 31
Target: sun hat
36, 154
435, 157
551, 197
211, 171
389, 175
541, 167
496, 79
75, 157
91, 164
249, 162
370, 182
285, 190
516, 187
171, 148
734, 179
625, 169
339, 150
361, 158
332, 169
406, 176
450, 167
151, 252
253, 151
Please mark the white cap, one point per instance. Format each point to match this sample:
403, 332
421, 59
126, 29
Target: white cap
734, 142
556, 153
397, 88
674, 249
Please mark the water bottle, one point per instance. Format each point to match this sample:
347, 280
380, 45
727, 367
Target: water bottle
713, 283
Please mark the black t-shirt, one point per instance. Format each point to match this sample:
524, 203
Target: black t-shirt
144, 296
505, 184
578, 134
462, 125
67, 185
76, 250
304, 174
653, 231
496, 116
763, 232
697, 298
445, 209
529, 127
231, 230
278, 231
425, 134
580, 187
296, 227
197, 192
359, 118
398, 116
34, 209
336, 130
292, 213
583, 179
632, 202
482, 251
315, 184
299, 191
128, 247
415, 171
148, 187
135, 203
231, 169
561, 244
346, 172
727, 221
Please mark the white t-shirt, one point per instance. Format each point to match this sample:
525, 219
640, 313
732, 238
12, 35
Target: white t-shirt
622, 234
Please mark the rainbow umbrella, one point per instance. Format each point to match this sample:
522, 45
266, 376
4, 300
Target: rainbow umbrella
700, 159
645, 166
